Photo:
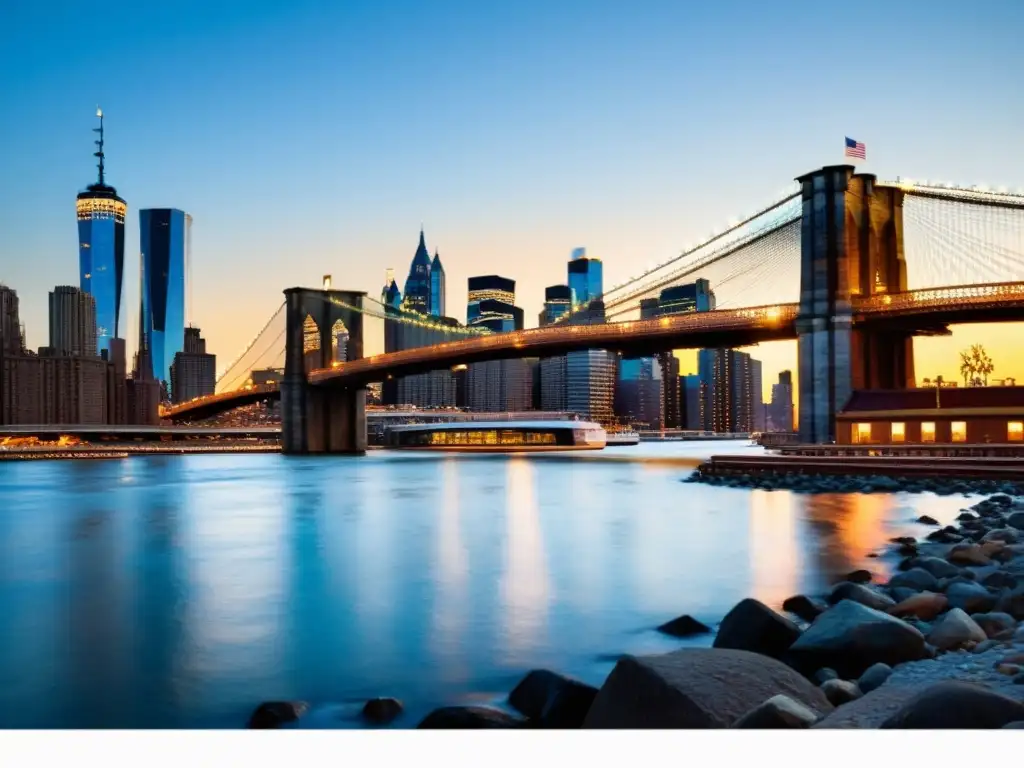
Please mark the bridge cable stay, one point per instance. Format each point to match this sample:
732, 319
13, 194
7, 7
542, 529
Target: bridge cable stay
951, 240
707, 242
765, 271
275, 347
243, 362
706, 258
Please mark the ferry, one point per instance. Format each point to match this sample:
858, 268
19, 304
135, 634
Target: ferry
498, 436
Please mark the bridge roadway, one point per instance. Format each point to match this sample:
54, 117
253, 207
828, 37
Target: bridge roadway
922, 311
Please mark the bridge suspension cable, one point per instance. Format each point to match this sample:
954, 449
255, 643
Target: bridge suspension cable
243, 361
962, 238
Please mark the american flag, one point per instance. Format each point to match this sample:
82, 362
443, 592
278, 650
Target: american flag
855, 149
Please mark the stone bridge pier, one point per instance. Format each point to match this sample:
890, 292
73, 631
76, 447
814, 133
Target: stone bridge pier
328, 418
851, 246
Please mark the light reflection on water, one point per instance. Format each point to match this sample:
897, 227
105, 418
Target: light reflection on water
180, 591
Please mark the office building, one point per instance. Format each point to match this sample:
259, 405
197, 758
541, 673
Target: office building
101, 216
586, 281
437, 287
164, 235
691, 297
589, 374
73, 322
498, 385
639, 395
557, 303
194, 370
781, 408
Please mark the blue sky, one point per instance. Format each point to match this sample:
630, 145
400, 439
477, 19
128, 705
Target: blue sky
315, 137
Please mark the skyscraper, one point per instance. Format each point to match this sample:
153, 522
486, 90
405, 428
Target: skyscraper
731, 389
72, 322
639, 396
417, 284
781, 408
552, 370
437, 286
498, 385
589, 374
557, 302
12, 341
164, 237
101, 214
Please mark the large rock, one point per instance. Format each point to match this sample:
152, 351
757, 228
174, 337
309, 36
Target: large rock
970, 597
684, 626
1016, 520
859, 593
753, 626
695, 688
840, 692
382, 710
778, 712
968, 554
936, 566
955, 704
274, 714
954, 630
1005, 535
995, 623
915, 578
1011, 601
803, 607
851, 637
924, 605
874, 677
465, 718
550, 700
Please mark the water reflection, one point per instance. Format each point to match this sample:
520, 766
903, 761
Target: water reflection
776, 558
524, 586
180, 591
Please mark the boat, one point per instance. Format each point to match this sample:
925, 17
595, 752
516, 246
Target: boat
497, 436
622, 437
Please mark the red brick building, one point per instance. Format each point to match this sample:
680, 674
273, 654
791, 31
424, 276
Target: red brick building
971, 415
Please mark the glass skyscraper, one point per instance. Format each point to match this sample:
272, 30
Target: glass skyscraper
164, 241
101, 215
586, 281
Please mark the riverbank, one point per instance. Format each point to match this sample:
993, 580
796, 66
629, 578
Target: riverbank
124, 450
939, 645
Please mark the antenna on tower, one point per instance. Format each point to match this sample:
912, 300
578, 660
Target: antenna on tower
99, 143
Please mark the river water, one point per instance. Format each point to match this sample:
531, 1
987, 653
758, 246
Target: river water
165, 591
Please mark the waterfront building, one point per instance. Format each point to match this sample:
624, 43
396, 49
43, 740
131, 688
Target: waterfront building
781, 408
437, 287
500, 295
954, 415
73, 322
165, 236
194, 370
552, 370
557, 303
101, 216
758, 417
54, 389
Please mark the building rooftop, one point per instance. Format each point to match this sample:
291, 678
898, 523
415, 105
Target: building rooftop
923, 398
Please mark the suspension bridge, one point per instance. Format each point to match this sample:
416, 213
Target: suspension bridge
851, 267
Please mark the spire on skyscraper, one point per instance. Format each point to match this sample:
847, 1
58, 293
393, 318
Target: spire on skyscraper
99, 145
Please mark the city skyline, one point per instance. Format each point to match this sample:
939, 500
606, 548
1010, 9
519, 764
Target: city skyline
525, 191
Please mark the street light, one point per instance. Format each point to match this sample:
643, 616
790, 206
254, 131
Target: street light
938, 386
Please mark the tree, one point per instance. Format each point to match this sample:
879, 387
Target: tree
966, 366
981, 362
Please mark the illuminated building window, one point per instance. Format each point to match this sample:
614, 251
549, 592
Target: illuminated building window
861, 433
927, 431
958, 431
898, 431
1015, 431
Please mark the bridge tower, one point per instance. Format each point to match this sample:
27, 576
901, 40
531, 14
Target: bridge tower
329, 418
851, 245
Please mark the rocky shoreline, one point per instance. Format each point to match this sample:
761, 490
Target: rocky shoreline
802, 483
940, 645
